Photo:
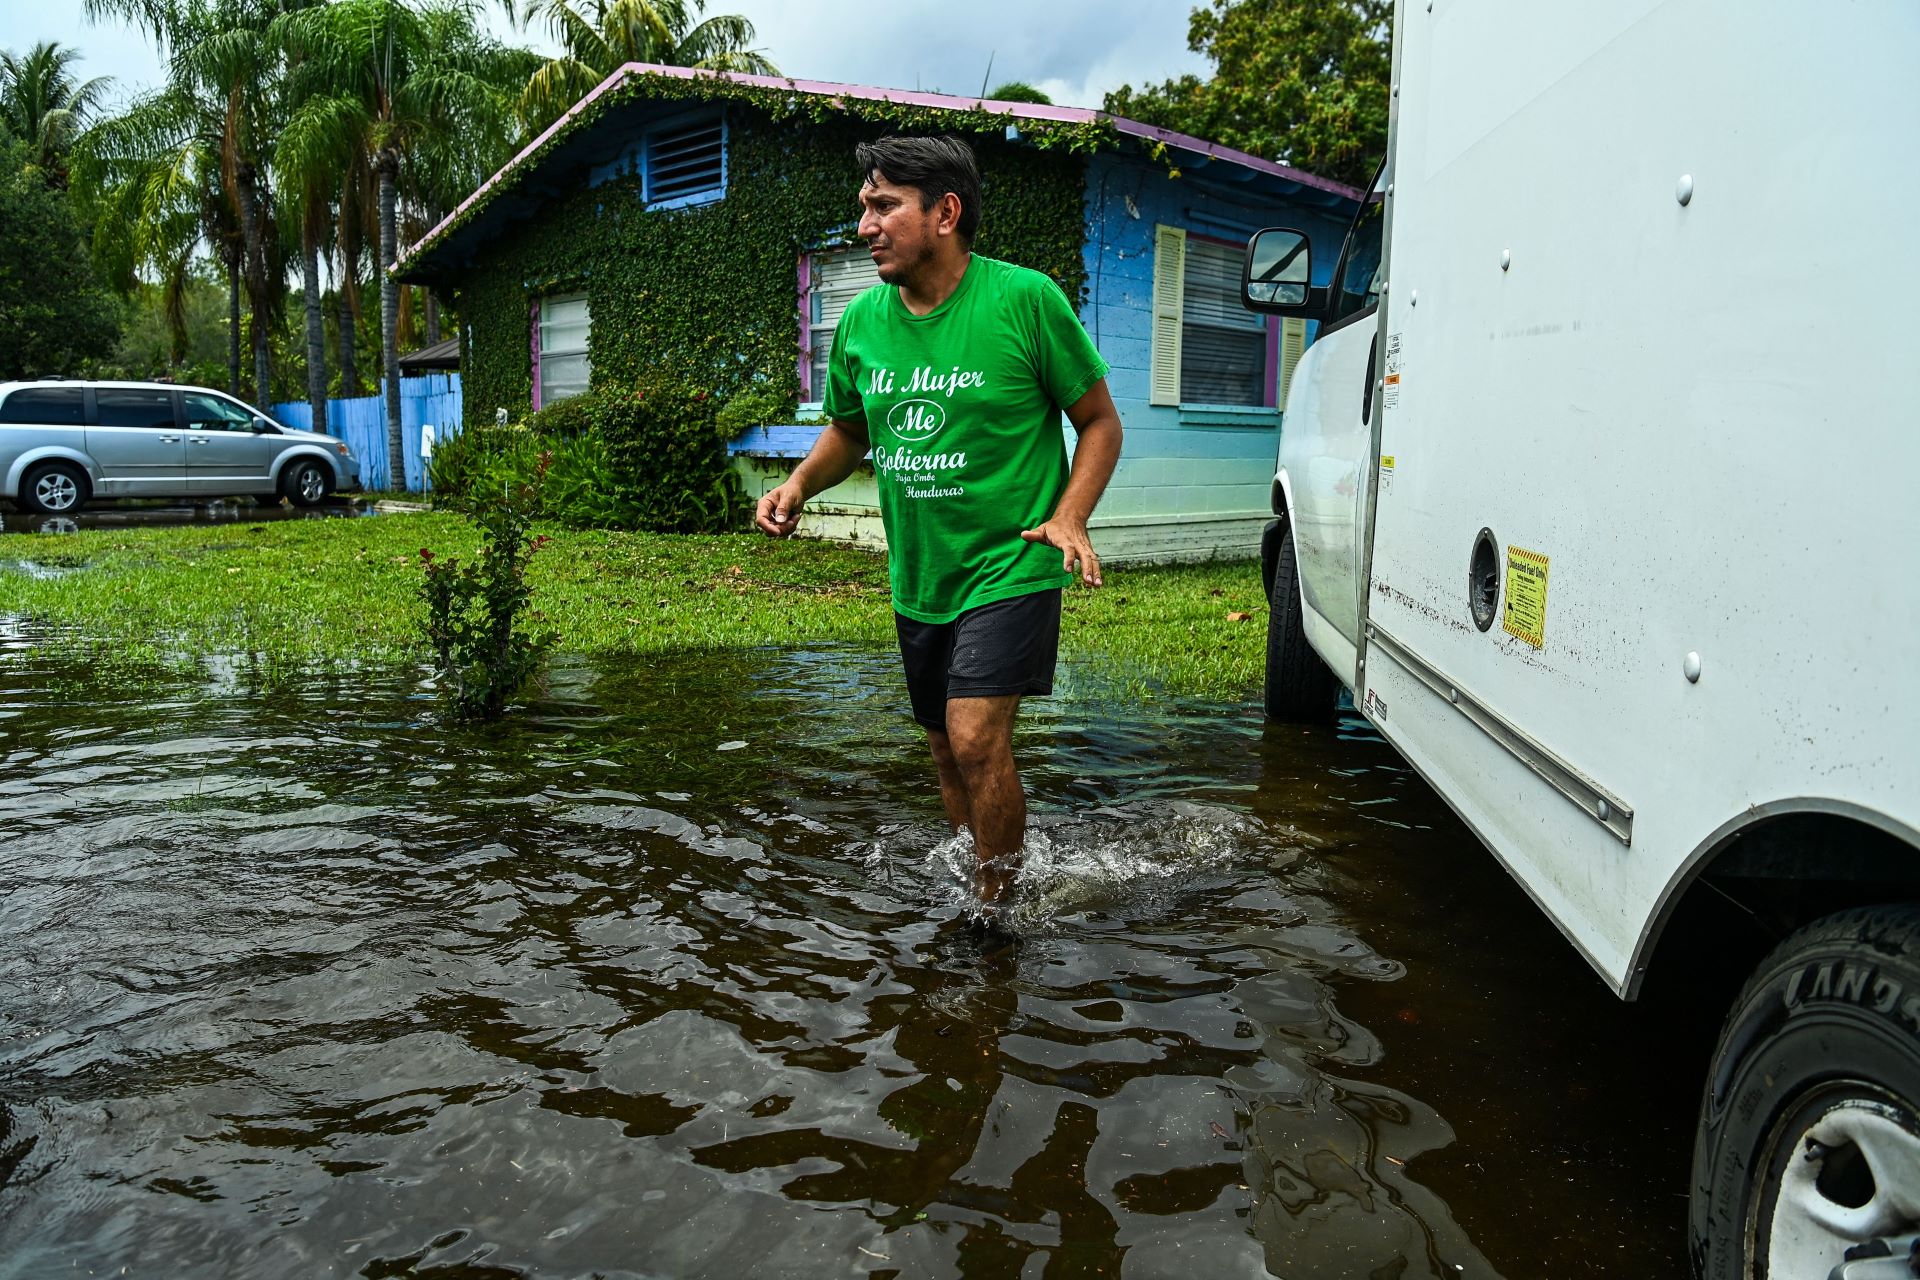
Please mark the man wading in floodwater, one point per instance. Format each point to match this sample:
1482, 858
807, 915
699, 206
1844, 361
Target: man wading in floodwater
954, 370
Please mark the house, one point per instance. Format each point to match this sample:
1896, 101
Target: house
705, 220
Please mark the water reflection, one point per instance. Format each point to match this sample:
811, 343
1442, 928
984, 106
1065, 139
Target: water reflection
299, 981
158, 514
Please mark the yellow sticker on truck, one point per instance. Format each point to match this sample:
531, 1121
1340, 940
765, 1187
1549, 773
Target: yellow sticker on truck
1526, 613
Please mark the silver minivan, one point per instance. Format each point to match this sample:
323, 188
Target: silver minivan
62, 443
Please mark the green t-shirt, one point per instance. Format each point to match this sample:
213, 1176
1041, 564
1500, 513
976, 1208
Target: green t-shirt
962, 406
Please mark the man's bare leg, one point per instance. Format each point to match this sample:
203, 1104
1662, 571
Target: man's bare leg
953, 787
979, 743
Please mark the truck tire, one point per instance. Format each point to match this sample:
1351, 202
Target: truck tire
54, 489
1300, 689
1808, 1145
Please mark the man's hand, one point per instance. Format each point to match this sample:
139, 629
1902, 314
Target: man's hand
778, 514
1069, 537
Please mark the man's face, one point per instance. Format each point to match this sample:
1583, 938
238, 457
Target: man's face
901, 236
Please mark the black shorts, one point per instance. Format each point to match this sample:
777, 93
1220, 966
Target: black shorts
1005, 647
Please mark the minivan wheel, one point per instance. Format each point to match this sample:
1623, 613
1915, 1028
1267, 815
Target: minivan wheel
1808, 1151
54, 489
306, 484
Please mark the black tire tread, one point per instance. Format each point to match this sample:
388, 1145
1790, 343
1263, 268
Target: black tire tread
1299, 688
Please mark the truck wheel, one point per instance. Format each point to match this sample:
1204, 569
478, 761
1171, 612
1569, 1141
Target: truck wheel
54, 489
1808, 1150
1300, 689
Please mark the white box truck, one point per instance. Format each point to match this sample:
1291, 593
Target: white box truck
1597, 490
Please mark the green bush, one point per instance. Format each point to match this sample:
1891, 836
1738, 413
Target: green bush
664, 443
651, 458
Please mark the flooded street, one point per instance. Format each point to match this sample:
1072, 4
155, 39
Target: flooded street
668, 975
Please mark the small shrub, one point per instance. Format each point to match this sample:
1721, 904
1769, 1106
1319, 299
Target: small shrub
483, 653
666, 449
482, 463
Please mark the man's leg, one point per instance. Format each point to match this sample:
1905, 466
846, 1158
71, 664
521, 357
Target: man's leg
979, 740
953, 786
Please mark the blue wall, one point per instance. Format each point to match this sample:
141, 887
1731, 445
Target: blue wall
362, 422
1185, 462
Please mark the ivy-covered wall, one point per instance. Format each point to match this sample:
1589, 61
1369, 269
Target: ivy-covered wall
711, 292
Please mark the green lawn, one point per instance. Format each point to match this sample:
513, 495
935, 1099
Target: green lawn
344, 591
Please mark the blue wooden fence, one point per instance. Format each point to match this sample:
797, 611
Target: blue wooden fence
432, 400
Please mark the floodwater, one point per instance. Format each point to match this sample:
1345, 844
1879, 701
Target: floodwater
158, 514
669, 975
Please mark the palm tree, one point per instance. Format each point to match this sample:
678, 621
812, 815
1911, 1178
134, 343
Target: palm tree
150, 179
396, 80
312, 159
44, 105
225, 88
600, 36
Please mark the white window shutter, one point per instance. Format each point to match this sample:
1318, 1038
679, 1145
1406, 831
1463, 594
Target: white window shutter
1169, 284
1293, 345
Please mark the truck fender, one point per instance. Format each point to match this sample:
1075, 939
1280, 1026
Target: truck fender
1741, 844
1282, 501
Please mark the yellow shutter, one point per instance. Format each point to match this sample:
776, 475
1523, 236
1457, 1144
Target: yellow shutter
1169, 285
1293, 344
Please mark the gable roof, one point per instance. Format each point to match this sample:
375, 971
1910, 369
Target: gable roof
562, 141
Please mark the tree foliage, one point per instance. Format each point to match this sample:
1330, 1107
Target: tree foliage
1304, 82
600, 36
54, 312
43, 104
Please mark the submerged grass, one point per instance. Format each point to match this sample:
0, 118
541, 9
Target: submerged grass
340, 592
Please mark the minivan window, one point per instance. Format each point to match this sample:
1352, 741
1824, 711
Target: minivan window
211, 413
131, 407
45, 406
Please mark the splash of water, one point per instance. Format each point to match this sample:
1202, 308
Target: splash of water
1133, 860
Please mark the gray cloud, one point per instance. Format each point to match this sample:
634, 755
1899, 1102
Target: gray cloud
1074, 49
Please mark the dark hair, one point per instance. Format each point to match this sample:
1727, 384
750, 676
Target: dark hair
932, 166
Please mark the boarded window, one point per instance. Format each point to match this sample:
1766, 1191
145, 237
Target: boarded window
687, 163
564, 324
1223, 346
837, 276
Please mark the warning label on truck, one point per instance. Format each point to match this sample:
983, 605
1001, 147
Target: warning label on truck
1386, 473
1390, 379
1526, 612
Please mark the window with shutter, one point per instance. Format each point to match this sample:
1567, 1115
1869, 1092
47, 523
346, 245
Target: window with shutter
687, 164
1223, 346
1169, 273
564, 325
835, 277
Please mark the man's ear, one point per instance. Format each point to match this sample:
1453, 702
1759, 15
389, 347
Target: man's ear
950, 211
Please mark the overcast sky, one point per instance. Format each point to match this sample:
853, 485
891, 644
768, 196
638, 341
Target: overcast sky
1075, 50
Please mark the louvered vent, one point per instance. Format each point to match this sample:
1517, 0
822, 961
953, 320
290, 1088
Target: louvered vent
686, 162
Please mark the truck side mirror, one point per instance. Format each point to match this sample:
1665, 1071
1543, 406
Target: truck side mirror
1279, 275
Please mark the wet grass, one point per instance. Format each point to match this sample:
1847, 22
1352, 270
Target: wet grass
338, 592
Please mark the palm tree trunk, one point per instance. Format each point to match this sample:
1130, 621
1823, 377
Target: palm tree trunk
233, 322
316, 329
256, 284
389, 326
349, 366
433, 318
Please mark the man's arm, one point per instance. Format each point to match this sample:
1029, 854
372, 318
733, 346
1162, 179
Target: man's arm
1098, 424
832, 459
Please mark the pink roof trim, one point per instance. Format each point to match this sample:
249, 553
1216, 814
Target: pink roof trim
871, 93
